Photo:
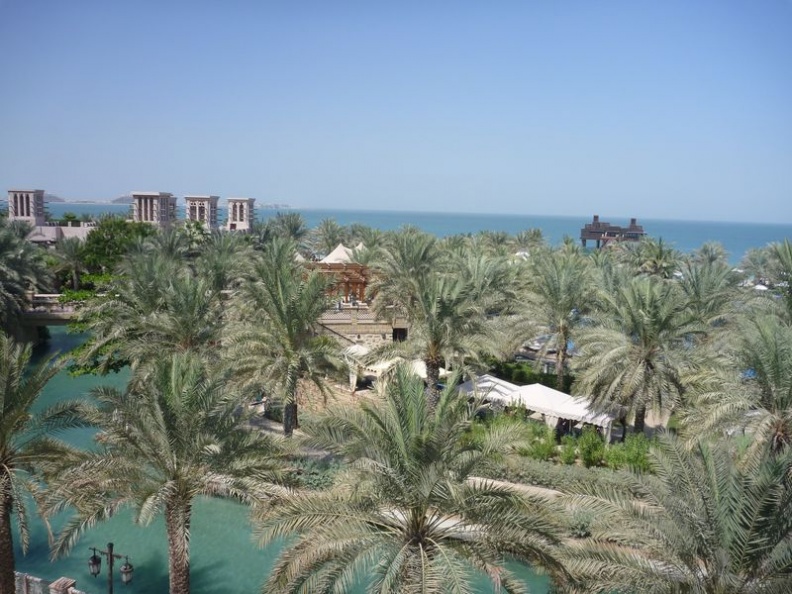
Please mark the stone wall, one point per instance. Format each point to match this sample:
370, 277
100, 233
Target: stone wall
358, 325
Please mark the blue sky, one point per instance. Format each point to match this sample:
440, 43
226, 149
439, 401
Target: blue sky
674, 109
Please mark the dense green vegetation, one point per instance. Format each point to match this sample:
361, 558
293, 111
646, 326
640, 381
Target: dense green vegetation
414, 488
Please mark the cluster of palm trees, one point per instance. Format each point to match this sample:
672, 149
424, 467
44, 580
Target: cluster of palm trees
209, 323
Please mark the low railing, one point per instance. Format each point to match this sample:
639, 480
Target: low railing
29, 584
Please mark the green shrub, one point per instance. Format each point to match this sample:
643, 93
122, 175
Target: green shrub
615, 456
544, 448
555, 476
591, 447
636, 451
274, 410
580, 525
520, 376
314, 474
568, 453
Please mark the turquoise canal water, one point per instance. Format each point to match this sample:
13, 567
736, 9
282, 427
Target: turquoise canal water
686, 236
224, 558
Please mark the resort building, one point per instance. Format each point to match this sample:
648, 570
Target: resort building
202, 209
241, 215
604, 233
157, 208
28, 206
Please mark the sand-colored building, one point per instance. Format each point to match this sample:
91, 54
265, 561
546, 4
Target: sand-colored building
241, 215
202, 209
29, 206
157, 208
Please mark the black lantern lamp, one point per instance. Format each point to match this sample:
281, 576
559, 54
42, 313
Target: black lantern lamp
126, 571
94, 563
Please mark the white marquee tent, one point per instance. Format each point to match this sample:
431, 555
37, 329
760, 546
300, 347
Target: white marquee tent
550, 403
556, 405
492, 388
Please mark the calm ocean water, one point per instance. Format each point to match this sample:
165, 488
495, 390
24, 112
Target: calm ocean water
686, 236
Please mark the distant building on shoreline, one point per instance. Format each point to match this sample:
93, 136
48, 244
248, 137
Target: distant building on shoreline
241, 215
202, 209
604, 233
154, 208
157, 208
29, 206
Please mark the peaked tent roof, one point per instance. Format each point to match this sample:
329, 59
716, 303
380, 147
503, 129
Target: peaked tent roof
548, 401
340, 255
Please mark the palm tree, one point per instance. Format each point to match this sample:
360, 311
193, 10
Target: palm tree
290, 226
446, 325
194, 234
637, 348
327, 235
222, 260
702, 524
781, 267
560, 294
175, 434
273, 338
652, 257
22, 269
529, 240
710, 290
27, 442
407, 517
407, 257
69, 252
757, 262
492, 280
711, 252
370, 237
753, 391
445, 301
156, 307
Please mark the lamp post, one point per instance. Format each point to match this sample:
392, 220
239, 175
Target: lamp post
95, 565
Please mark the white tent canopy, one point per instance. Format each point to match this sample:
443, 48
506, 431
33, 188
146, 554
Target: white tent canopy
340, 255
356, 351
550, 403
417, 366
555, 404
492, 388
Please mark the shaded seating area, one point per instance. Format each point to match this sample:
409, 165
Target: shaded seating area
551, 406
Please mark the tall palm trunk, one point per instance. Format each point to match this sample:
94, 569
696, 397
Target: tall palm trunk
432, 379
75, 280
640, 418
177, 526
289, 418
561, 359
290, 422
6, 541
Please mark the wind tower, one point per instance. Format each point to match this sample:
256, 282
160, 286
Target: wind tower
27, 205
157, 208
241, 215
202, 209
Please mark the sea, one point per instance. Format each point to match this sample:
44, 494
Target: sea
686, 236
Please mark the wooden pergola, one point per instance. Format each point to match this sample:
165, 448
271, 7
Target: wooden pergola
349, 279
